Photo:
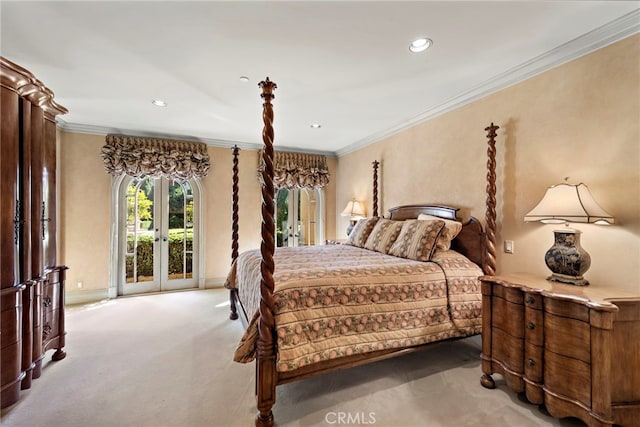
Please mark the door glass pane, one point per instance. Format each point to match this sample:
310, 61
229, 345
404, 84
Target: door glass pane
282, 218
181, 228
307, 217
139, 243
299, 226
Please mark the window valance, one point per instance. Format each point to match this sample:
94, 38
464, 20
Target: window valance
155, 157
297, 170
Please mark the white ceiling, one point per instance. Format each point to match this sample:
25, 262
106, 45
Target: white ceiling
345, 65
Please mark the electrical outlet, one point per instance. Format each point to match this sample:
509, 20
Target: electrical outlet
79, 285
509, 246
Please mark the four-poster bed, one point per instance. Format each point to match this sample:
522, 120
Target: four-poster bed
340, 306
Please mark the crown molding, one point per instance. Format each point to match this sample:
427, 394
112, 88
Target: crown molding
605, 35
105, 130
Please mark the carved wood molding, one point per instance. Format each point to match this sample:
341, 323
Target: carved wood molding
26, 85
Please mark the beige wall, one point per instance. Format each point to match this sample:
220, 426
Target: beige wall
85, 213
218, 208
581, 120
85, 219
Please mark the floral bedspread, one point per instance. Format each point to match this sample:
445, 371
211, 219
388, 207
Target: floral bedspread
338, 300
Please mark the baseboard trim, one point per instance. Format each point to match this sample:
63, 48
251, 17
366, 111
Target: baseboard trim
95, 295
214, 282
85, 297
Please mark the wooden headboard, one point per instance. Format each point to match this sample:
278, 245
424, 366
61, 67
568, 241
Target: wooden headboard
469, 242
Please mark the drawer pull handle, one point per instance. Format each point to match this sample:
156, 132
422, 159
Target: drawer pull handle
47, 302
46, 330
531, 325
531, 362
530, 300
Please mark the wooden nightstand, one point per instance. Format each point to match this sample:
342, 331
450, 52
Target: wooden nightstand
574, 349
335, 241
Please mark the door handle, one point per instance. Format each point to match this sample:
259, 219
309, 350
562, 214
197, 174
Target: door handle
157, 239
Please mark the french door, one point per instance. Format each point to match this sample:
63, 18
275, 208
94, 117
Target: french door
299, 217
158, 235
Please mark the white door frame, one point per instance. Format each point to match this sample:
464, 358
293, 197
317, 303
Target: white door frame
115, 258
292, 200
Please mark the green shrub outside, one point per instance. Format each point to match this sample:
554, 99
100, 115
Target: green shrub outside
176, 251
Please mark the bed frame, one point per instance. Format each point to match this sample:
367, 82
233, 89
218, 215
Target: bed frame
472, 241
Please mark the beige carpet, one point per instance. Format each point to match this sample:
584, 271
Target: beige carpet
165, 360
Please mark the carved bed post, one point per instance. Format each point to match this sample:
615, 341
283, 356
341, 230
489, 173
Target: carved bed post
233, 293
265, 362
375, 187
489, 262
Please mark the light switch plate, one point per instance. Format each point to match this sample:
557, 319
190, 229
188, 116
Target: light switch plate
508, 246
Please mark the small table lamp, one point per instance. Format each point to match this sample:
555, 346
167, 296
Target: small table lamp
355, 211
564, 203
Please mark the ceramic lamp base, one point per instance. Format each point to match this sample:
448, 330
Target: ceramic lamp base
566, 259
352, 223
578, 281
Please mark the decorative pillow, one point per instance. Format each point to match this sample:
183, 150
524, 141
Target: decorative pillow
417, 239
383, 235
451, 230
361, 231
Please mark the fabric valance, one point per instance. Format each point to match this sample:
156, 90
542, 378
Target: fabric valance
155, 157
297, 170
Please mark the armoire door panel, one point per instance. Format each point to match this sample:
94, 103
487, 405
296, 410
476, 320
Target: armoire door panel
38, 353
25, 247
35, 190
9, 156
24, 188
49, 194
27, 333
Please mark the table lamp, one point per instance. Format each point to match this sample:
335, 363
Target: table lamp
354, 211
562, 204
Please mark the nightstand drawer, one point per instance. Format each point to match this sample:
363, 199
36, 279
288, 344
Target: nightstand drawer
508, 317
533, 363
509, 294
509, 350
533, 326
533, 300
568, 337
566, 309
568, 377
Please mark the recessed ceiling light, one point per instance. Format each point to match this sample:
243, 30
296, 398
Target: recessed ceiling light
159, 103
316, 125
244, 79
421, 44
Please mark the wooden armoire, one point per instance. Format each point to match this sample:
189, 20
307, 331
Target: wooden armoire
32, 299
